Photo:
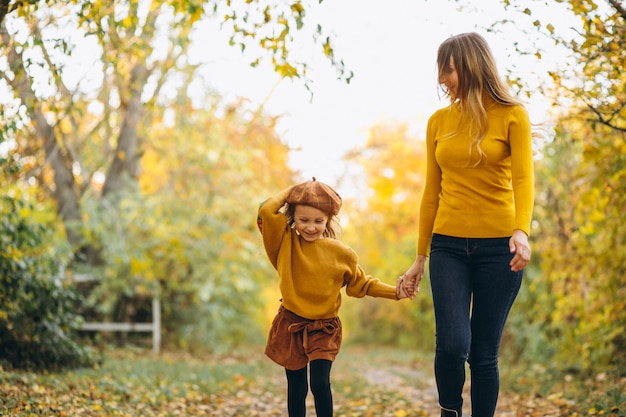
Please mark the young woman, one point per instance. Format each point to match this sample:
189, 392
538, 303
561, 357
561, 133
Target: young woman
313, 266
474, 221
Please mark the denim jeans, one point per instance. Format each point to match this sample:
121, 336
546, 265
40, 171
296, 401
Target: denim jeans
473, 290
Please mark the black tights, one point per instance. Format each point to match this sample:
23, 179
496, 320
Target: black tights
297, 389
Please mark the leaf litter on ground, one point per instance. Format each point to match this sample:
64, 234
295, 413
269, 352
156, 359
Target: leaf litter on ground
381, 382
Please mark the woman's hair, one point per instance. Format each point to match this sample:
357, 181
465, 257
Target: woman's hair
478, 75
332, 225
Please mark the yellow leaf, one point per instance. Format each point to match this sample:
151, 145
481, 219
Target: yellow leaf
137, 266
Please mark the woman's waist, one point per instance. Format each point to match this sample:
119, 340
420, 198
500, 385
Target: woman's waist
468, 224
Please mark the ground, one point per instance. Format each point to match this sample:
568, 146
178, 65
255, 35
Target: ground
366, 382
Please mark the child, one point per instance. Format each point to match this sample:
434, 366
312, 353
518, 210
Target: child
313, 266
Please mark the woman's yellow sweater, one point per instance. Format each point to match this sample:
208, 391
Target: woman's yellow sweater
487, 200
311, 274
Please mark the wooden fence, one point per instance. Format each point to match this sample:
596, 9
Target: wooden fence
154, 327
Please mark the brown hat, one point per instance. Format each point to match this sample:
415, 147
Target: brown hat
315, 194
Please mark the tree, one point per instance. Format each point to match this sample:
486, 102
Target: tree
381, 227
61, 125
598, 49
80, 136
577, 294
140, 56
189, 231
8, 6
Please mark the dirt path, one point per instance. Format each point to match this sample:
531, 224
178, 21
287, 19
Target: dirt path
366, 382
422, 397
425, 396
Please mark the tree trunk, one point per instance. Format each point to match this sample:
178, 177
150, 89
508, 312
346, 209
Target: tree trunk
125, 161
4, 9
65, 192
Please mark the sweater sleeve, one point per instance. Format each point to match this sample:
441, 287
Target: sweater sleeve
359, 284
272, 224
432, 189
522, 172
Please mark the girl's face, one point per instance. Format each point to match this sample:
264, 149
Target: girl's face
450, 79
310, 222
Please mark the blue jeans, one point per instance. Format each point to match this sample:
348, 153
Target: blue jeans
470, 274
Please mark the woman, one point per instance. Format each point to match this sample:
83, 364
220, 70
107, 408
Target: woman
474, 221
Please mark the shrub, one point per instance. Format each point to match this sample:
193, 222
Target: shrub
37, 317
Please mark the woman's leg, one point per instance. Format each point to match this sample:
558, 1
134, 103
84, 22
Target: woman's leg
297, 389
320, 387
451, 287
495, 288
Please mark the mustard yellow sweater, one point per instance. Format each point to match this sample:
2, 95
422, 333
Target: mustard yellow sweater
488, 200
311, 274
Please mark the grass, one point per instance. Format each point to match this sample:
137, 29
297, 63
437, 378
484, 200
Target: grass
581, 393
382, 382
136, 383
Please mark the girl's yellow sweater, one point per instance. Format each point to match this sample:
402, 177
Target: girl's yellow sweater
311, 274
487, 200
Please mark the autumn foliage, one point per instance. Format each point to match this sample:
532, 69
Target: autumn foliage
151, 180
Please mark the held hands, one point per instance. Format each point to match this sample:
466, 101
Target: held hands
410, 281
408, 285
401, 292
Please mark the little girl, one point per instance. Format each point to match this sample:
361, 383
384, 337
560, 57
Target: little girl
313, 266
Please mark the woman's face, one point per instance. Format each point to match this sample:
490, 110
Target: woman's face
450, 79
310, 222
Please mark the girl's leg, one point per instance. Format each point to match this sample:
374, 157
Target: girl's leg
297, 389
320, 387
495, 289
451, 287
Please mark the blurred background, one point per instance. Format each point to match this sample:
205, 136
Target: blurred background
138, 138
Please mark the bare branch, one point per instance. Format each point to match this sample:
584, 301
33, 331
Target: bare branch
618, 7
606, 121
36, 32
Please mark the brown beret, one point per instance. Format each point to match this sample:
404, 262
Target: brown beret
315, 194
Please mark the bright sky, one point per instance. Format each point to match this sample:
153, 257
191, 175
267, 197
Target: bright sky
391, 47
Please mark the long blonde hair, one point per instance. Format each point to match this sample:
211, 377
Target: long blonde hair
478, 75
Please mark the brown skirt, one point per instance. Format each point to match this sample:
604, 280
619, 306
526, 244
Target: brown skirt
293, 341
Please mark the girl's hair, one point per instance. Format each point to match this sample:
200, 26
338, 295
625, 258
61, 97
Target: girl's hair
332, 225
478, 75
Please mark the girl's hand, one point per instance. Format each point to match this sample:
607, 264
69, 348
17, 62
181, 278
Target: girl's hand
518, 245
400, 289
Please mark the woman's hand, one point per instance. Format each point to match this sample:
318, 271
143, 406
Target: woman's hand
520, 247
400, 290
413, 276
